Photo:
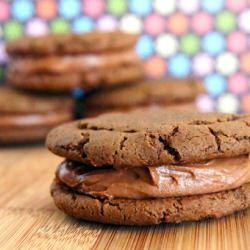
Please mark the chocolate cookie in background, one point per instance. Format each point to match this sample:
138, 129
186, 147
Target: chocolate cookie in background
28, 118
174, 94
152, 166
60, 63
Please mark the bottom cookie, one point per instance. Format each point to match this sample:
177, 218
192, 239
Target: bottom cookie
15, 136
151, 211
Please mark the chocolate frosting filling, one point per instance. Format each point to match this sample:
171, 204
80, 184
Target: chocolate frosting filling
156, 182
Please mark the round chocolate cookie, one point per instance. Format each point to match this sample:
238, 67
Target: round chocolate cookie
151, 211
66, 82
151, 137
26, 118
171, 93
92, 42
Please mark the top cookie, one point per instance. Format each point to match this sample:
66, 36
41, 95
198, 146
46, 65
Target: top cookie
92, 42
17, 102
151, 137
165, 91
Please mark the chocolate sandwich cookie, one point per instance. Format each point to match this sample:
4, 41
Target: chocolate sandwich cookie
178, 94
26, 118
64, 62
152, 166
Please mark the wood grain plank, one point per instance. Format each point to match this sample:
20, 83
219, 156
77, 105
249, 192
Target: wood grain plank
29, 219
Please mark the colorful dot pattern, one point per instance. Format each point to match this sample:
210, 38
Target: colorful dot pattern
181, 38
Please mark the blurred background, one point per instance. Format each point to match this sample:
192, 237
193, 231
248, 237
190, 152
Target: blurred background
209, 39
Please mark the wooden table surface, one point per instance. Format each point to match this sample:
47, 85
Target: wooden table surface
29, 219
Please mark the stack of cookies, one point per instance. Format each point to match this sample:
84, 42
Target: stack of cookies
54, 65
152, 166
104, 65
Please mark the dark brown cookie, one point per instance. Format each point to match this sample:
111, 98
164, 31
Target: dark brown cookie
174, 94
151, 211
92, 42
26, 118
151, 137
166, 91
88, 80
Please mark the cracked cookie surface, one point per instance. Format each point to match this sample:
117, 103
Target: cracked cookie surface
151, 137
151, 211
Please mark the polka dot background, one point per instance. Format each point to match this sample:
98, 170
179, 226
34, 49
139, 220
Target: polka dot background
180, 38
